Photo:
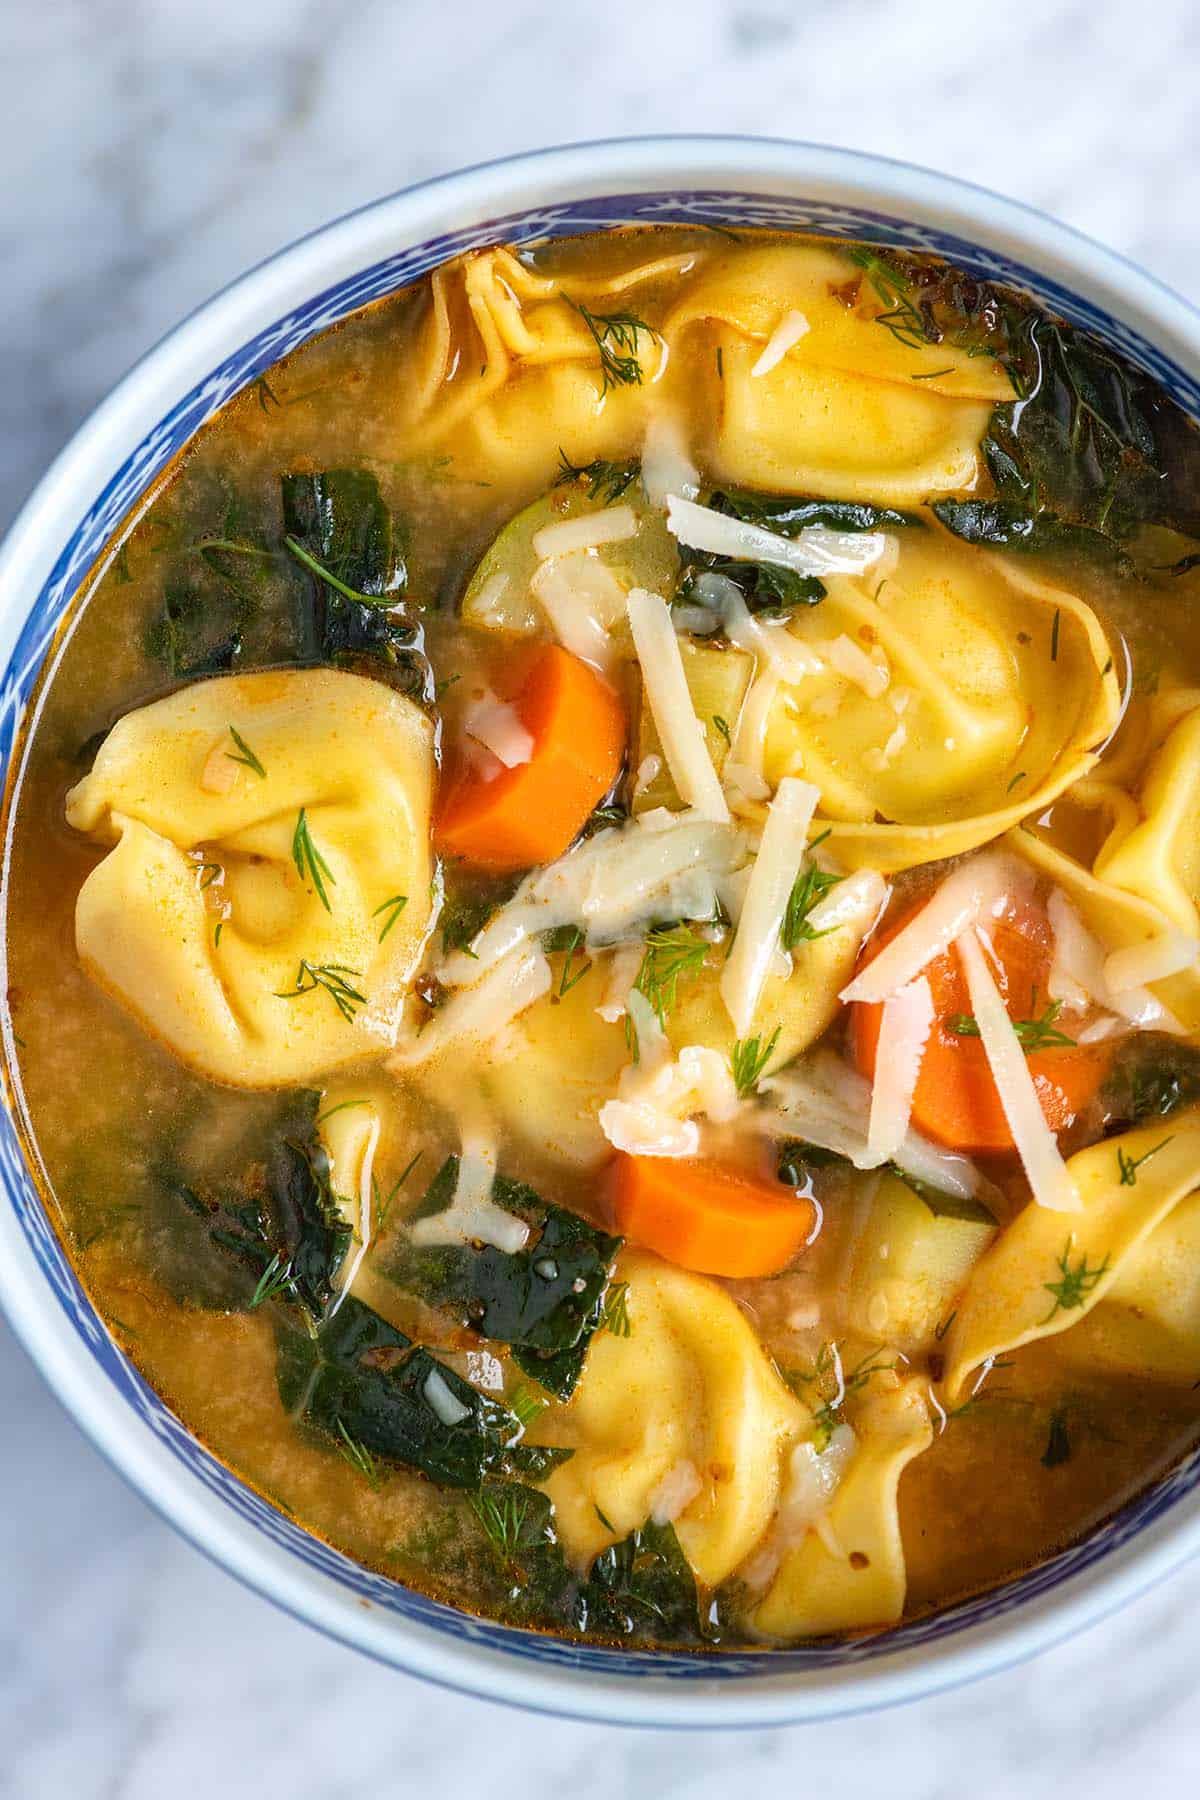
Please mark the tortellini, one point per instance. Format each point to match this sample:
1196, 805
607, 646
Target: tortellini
1148, 1323
1047, 1269
688, 1397
991, 692
507, 355
561, 1061
848, 1572
268, 893
850, 411
1158, 858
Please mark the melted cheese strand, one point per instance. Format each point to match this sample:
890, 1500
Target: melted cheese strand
779, 859
666, 689
579, 625
1047, 1173
903, 1034
481, 1012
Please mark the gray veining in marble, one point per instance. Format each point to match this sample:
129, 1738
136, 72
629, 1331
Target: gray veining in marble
151, 150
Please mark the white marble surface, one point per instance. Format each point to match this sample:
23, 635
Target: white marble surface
152, 149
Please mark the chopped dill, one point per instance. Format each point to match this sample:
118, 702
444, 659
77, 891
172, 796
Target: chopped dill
275, 1279
441, 687
931, 374
342, 1106
1076, 1284
833, 1387
722, 725
393, 908
673, 953
358, 1456
903, 319
605, 481
1128, 1166
1020, 776
1032, 1034
217, 932
748, 1059
615, 336
331, 979
245, 756
810, 886
501, 1510
267, 397
572, 940
310, 864
383, 1204
209, 872
720, 364
526, 1404
1054, 629
318, 569
615, 1316
940, 1330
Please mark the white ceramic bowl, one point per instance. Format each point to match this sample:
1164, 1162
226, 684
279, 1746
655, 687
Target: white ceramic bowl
47, 556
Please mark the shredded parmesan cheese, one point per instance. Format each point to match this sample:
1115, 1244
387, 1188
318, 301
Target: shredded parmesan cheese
486, 608
856, 901
481, 1012
1047, 1173
472, 1215
964, 898
611, 525
580, 624
780, 855
675, 1492
790, 329
666, 466
851, 661
814, 551
366, 1176
497, 726
903, 1034
449, 1409
666, 689
1078, 975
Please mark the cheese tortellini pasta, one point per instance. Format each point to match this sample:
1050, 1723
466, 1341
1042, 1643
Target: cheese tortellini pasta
265, 830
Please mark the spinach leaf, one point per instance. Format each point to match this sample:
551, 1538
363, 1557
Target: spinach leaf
1089, 453
767, 586
282, 1221
199, 630
339, 529
642, 1587
546, 1300
1152, 1077
357, 1376
1009, 525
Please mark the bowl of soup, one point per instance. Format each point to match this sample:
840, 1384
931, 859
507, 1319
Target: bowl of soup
601, 912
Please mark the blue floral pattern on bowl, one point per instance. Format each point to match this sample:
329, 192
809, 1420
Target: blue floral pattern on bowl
716, 208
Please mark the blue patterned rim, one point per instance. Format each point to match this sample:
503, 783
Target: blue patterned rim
130, 482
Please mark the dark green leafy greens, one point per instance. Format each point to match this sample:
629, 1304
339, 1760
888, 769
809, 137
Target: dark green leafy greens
283, 1223
1152, 1077
340, 531
357, 1377
1089, 453
546, 1300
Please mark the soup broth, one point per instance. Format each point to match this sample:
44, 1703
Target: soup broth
602, 934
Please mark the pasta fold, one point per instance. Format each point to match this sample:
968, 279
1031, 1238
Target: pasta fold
268, 893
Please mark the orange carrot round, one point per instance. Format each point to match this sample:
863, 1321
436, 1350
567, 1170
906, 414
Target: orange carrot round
956, 1102
708, 1216
514, 818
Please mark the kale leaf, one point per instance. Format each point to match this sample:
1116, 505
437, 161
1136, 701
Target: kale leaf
642, 1587
283, 1221
1153, 1076
546, 1300
339, 528
356, 1376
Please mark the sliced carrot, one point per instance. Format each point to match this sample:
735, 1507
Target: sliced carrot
708, 1216
956, 1102
513, 818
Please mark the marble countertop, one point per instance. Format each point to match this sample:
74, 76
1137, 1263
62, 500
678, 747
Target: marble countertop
154, 148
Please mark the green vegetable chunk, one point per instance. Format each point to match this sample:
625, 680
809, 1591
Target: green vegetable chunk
546, 1300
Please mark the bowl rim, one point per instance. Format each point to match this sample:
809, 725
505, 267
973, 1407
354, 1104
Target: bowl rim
154, 384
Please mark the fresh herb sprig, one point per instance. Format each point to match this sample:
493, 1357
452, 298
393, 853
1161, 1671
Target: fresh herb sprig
391, 909
748, 1059
245, 756
1076, 1282
614, 1317
810, 887
310, 864
616, 336
604, 480
673, 953
1032, 1034
330, 978
1128, 1166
